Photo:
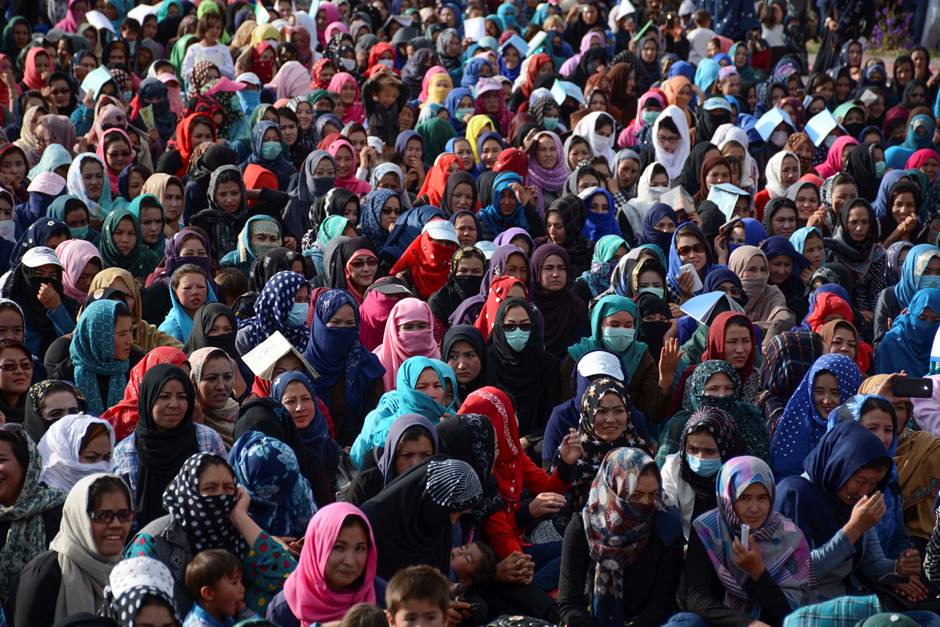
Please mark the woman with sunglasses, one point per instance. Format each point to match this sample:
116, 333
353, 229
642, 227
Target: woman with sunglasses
70, 577
30, 512
689, 246
16, 372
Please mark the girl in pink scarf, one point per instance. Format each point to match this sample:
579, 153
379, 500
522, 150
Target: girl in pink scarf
75, 255
310, 591
352, 107
833, 163
409, 332
550, 178
106, 146
345, 156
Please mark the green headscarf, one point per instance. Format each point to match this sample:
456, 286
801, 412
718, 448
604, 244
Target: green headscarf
436, 133
140, 262
9, 48
179, 53
608, 306
331, 228
158, 247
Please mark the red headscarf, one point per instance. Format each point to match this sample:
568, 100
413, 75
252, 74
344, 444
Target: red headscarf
499, 292
351, 112
536, 62
436, 181
828, 305
376, 53
429, 262
123, 416
863, 350
184, 138
356, 186
4, 95
264, 70
497, 407
31, 77
512, 160
316, 74
715, 349
920, 157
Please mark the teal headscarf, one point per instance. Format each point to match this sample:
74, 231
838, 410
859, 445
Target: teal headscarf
92, 352
54, 156
798, 239
157, 247
140, 261
917, 260
60, 207
608, 306
602, 264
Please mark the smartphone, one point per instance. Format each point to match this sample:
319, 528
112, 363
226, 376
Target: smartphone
688, 267
746, 536
912, 387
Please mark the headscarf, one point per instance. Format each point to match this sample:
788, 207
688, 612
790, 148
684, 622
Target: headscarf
782, 546
833, 163
161, 453
394, 349
602, 263
101, 152
306, 591
917, 260
133, 582
788, 357
60, 448
858, 256
609, 305
491, 216
907, 344
273, 307
140, 261
587, 128
562, 311
598, 225
673, 162
428, 261
801, 426
773, 172
543, 179
349, 182
457, 289
92, 352
471, 438
75, 255
99, 209
650, 234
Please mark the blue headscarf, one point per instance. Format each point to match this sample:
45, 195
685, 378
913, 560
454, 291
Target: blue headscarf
280, 166
92, 352
337, 354
452, 102
596, 225
911, 271
675, 263
887, 182
396, 431
54, 156
408, 228
471, 71
37, 234
507, 13
801, 426
650, 235
706, 74
178, 322
608, 306
798, 239
906, 346
492, 219
777, 246
281, 498
682, 68
316, 435
272, 308
370, 219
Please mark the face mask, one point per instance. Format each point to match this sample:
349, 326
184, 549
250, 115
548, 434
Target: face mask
79, 232
659, 292
298, 315
8, 230
778, 138
469, 285
550, 124
387, 63
348, 64
602, 144
726, 403
656, 192
128, 96
618, 339
417, 341
249, 99
927, 282
703, 467
880, 168
323, 184
260, 249
649, 117
854, 129
463, 112
517, 339
753, 286
270, 150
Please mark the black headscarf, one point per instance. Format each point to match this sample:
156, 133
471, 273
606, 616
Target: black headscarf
161, 454
849, 251
445, 301
262, 270
460, 176
472, 439
23, 288
861, 165
692, 170
202, 322
470, 334
652, 334
578, 247
333, 203
35, 425
336, 271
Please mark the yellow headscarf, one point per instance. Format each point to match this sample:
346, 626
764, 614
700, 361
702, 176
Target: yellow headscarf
264, 32
475, 128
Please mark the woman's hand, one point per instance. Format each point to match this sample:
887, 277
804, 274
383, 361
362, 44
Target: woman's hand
457, 612
818, 217
545, 504
908, 564
865, 515
523, 195
516, 568
686, 282
668, 361
748, 559
570, 449
242, 501
721, 248
49, 297
914, 590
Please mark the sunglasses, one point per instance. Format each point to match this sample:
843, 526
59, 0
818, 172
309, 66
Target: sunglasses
388, 211
119, 153
523, 326
694, 248
107, 516
369, 262
24, 366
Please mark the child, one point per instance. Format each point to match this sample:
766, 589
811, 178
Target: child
383, 99
700, 36
473, 563
214, 579
417, 596
364, 615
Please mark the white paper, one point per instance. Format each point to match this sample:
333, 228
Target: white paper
700, 307
935, 350
474, 28
262, 358
768, 122
99, 20
725, 196
143, 10
559, 93
819, 126
535, 43
626, 8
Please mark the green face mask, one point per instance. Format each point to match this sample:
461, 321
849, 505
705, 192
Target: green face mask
271, 150
517, 339
618, 339
79, 232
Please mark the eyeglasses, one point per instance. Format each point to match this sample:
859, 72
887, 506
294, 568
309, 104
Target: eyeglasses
368, 262
388, 211
522, 326
24, 366
60, 92
11, 427
694, 248
667, 139
107, 516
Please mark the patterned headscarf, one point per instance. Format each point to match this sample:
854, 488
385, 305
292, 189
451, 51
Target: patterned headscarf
721, 426
134, 581
273, 307
92, 352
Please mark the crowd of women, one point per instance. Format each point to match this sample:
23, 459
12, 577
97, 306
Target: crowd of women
611, 313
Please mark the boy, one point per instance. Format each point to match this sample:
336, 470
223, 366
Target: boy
700, 36
383, 98
417, 596
214, 579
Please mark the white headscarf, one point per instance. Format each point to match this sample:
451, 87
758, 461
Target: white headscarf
85, 571
600, 145
772, 171
730, 133
675, 161
60, 447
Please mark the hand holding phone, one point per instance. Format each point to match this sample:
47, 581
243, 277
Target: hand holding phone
746, 536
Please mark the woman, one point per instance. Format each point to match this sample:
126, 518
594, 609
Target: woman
564, 224
74, 447
48, 401
907, 345
782, 171
671, 141
14, 379
318, 590
855, 244
425, 264
689, 245
96, 520
831, 380
409, 332
189, 288
87, 180
709, 440
787, 358
207, 510
214, 326
267, 148
921, 268
100, 351
511, 205
467, 267
350, 379
81, 261
766, 304
281, 499
213, 375
31, 514
122, 245
164, 438
282, 306
607, 252
564, 316
628, 535
727, 582
259, 235
518, 363
464, 350
140, 588
547, 168
169, 191
227, 209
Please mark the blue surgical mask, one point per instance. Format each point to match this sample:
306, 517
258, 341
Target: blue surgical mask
463, 112
649, 117
128, 96
81, 232
271, 150
550, 124
517, 339
928, 282
659, 292
298, 315
618, 339
880, 168
703, 467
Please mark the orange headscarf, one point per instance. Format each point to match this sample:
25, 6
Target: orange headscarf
436, 181
184, 138
499, 291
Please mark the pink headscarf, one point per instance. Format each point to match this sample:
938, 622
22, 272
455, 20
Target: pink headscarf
356, 186
833, 163
373, 316
331, 13
351, 112
75, 255
100, 151
31, 77
69, 23
291, 81
920, 157
395, 349
437, 69
306, 592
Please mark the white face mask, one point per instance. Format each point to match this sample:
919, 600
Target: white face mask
602, 144
778, 138
7, 230
348, 64
387, 63
656, 192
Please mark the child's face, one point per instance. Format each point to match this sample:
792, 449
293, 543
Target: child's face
228, 595
387, 96
464, 560
417, 613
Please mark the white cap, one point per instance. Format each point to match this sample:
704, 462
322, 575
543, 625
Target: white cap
376, 143
40, 256
600, 362
442, 231
249, 78
486, 247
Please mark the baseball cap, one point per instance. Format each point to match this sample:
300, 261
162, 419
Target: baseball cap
40, 256
441, 230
